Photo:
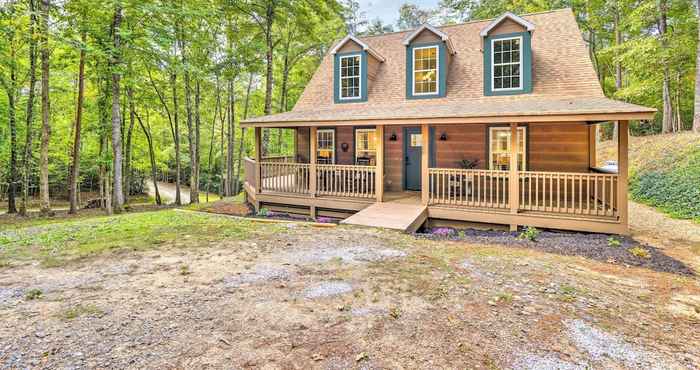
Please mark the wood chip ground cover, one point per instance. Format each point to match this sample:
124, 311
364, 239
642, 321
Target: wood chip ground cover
300, 297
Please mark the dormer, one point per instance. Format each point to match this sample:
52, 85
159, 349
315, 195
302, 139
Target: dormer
355, 66
428, 55
507, 55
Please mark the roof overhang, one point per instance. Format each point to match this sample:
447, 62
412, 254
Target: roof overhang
362, 44
508, 15
442, 35
588, 118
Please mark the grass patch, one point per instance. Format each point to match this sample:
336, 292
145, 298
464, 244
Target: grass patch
33, 294
80, 310
55, 243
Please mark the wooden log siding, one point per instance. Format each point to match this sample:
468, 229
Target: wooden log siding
285, 177
279, 159
346, 180
588, 194
469, 188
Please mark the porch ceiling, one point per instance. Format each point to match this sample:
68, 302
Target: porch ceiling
487, 110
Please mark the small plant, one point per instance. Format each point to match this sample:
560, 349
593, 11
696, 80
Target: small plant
461, 234
81, 310
442, 231
530, 233
264, 212
395, 313
468, 164
639, 252
33, 294
504, 297
324, 220
185, 270
614, 242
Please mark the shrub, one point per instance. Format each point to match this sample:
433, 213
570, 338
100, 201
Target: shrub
614, 242
264, 212
530, 233
639, 252
33, 294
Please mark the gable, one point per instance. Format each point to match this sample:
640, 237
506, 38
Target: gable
507, 26
349, 47
425, 36
561, 66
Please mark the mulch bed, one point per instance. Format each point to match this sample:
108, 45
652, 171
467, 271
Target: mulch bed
593, 246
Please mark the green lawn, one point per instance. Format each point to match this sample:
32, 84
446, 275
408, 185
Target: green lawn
60, 241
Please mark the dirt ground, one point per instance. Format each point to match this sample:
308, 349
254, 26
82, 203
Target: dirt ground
347, 297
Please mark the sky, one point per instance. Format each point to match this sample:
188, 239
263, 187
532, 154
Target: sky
388, 10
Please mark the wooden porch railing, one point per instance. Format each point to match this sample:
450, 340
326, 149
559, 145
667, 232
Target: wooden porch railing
346, 180
592, 194
469, 188
285, 177
249, 167
279, 159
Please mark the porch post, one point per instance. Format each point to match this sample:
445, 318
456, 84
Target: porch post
313, 142
258, 158
425, 164
592, 143
379, 175
622, 167
513, 173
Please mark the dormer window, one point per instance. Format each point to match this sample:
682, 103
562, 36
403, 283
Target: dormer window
425, 70
507, 56
350, 77
507, 64
355, 66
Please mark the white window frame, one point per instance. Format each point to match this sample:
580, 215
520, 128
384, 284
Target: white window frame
368, 130
493, 64
522, 130
318, 148
340, 77
437, 70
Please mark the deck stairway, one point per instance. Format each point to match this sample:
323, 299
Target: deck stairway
390, 215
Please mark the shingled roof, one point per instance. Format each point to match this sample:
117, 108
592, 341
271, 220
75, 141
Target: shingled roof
564, 82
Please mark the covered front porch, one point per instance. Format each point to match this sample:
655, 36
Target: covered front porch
547, 177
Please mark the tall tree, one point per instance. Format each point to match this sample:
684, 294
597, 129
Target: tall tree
74, 189
667, 118
115, 64
10, 86
45, 110
412, 16
29, 132
696, 114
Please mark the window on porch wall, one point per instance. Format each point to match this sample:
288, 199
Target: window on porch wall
366, 147
499, 148
325, 146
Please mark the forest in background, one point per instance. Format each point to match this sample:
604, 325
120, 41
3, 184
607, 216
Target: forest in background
100, 98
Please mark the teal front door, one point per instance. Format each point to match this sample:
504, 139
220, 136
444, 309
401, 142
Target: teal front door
412, 148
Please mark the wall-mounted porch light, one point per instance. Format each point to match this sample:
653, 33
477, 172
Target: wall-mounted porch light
443, 136
392, 137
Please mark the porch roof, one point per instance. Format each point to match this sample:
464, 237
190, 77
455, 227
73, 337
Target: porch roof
485, 110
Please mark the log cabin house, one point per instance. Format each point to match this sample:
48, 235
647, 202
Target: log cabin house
488, 121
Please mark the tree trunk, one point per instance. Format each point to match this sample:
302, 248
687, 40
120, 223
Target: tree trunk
211, 142
128, 146
29, 134
151, 156
176, 138
74, 188
618, 64
230, 138
45, 109
194, 198
667, 118
241, 143
197, 126
696, 113
11, 90
269, 42
118, 192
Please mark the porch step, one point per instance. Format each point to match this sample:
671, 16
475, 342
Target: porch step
390, 215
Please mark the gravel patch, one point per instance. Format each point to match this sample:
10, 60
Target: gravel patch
356, 254
368, 311
593, 246
327, 289
259, 274
547, 362
601, 346
10, 296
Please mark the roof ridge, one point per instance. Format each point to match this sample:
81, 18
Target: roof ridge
464, 23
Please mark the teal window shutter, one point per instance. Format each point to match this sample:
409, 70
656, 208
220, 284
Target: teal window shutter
363, 77
526, 62
441, 70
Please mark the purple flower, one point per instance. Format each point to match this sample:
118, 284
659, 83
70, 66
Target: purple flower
324, 220
444, 231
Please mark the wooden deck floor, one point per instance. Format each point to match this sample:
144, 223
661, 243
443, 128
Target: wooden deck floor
400, 211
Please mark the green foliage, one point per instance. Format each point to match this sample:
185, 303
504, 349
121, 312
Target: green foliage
33, 294
613, 242
674, 189
530, 233
639, 252
80, 310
